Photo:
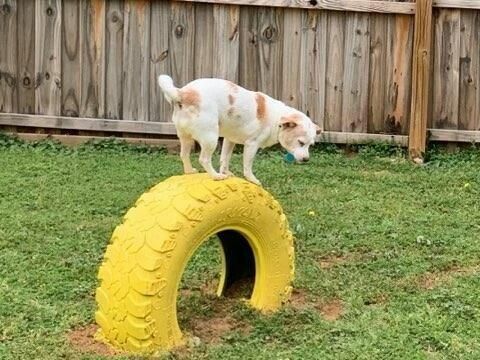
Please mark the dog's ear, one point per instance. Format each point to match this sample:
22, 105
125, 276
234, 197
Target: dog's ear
318, 129
288, 122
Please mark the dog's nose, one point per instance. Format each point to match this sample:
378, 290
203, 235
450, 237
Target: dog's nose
305, 159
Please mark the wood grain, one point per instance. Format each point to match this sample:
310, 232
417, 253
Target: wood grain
355, 76
293, 80
399, 73
446, 80
114, 59
48, 57
26, 56
204, 53
249, 66
270, 51
160, 57
182, 42
92, 102
314, 55
340, 5
335, 70
8, 56
136, 60
463, 136
71, 66
377, 72
469, 109
457, 4
226, 41
422, 50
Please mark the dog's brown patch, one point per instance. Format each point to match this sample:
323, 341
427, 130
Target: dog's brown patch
332, 310
190, 97
261, 106
291, 120
231, 99
82, 339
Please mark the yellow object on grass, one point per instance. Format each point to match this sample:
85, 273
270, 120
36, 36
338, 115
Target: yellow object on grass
149, 251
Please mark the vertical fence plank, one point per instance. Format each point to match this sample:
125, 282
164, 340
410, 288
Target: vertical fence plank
270, 51
114, 59
93, 58
160, 110
48, 57
314, 43
8, 56
226, 41
182, 42
377, 72
422, 53
334, 83
355, 79
71, 67
446, 80
26, 57
292, 75
136, 64
398, 89
249, 43
204, 52
469, 110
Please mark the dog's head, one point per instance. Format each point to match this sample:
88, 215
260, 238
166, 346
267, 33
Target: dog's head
297, 133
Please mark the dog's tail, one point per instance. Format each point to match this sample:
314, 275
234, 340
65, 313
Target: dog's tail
169, 90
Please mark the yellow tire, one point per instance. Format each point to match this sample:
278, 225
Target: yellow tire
149, 251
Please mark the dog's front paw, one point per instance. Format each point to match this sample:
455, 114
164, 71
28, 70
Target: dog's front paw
220, 177
253, 180
228, 173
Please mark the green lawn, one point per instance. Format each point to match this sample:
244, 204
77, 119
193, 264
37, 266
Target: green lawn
387, 254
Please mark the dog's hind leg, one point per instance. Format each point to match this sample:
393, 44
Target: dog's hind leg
227, 150
186, 145
208, 145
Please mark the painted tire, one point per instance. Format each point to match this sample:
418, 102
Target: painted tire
149, 251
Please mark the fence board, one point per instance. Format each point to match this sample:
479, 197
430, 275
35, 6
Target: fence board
335, 67
399, 72
355, 78
314, 44
292, 81
136, 56
8, 56
160, 110
182, 43
377, 73
446, 80
249, 67
48, 57
204, 53
225, 41
114, 59
270, 51
71, 67
26, 56
469, 110
93, 59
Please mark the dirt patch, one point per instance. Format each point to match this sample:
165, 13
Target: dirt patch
330, 261
82, 339
431, 280
299, 300
332, 310
378, 299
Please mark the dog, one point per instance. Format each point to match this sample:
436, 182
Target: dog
207, 109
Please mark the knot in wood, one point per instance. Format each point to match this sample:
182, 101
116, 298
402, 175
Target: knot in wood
179, 30
50, 11
269, 32
27, 82
6, 9
47, 76
115, 18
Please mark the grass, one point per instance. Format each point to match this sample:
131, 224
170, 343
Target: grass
395, 244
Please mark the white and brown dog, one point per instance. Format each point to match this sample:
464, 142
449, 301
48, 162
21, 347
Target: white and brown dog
207, 109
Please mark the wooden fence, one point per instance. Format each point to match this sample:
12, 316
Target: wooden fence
363, 69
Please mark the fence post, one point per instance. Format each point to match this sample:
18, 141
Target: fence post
422, 54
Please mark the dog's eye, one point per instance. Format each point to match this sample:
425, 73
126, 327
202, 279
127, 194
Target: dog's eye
301, 143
